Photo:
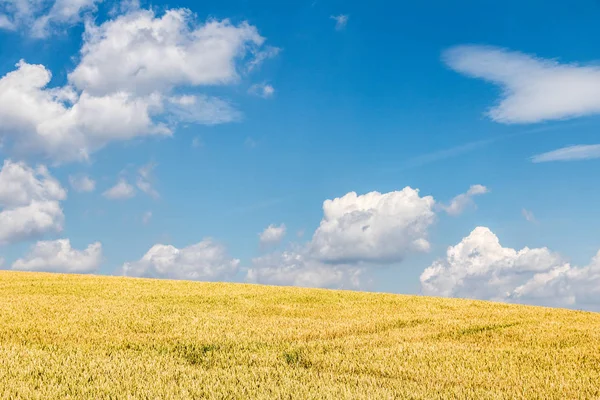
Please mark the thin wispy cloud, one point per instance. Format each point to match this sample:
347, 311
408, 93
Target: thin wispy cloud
263, 90
528, 215
569, 153
533, 89
341, 21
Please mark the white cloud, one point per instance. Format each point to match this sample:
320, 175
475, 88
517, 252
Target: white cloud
272, 235
64, 126
141, 53
202, 110
21, 184
30, 221
355, 234
570, 153
375, 227
122, 190
262, 90
464, 200
82, 183
261, 55
40, 17
29, 202
297, 268
479, 267
6, 23
533, 89
206, 261
59, 256
144, 180
340, 21
528, 215
126, 83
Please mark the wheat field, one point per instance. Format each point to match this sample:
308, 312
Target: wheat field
91, 337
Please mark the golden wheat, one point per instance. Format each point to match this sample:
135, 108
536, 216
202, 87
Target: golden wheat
70, 336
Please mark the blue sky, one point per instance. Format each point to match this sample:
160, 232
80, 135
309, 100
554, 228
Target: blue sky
296, 103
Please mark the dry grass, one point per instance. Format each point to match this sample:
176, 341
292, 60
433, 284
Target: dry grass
91, 337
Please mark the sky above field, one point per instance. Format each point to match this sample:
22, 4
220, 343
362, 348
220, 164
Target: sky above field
434, 147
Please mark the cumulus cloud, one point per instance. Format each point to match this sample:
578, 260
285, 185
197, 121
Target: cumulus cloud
63, 125
479, 267
122, 190
340, 21
206, 261
59, 256
569, 153
374, 227
82, 183
262, 90
272, 235
127, 84
142, 53
357, 232
29, 202
533, 89
464, 200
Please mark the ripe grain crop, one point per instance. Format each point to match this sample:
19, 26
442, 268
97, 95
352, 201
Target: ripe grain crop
91, 337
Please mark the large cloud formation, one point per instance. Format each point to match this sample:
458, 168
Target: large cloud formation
357, 232
127, 84
479, 267
206, 261
59, 256
29, 202
533, 89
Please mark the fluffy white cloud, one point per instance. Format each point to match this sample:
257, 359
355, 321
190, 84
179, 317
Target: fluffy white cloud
141, 53
375, 227
533, 89
272, 234
464, 200
207, 261
59, 256
355, 234
82, 183
340, 21
29, 202
30, 221
122, 190
40, 16
479, 267
125, 84
65, 126
569, 153
21, 184
262, 90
